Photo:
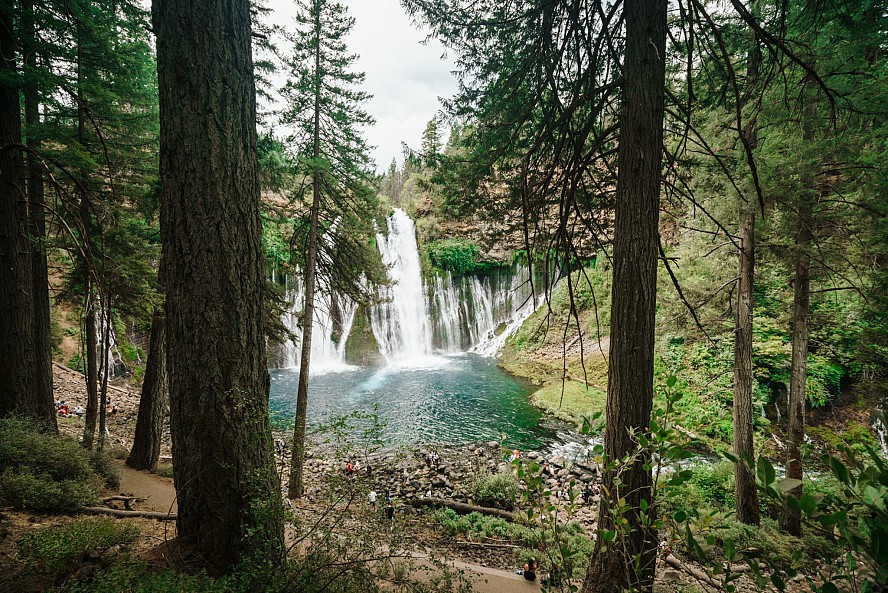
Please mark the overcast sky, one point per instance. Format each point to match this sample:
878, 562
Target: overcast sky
405, 77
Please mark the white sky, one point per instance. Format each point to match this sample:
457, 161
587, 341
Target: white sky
405, 77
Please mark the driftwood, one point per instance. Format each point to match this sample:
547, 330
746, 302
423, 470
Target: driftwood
78, 373
119, 513
126, 500
698, 574
463, 508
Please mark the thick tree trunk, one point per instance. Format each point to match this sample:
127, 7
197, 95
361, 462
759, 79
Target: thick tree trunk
17, 347
43, 392
628, 561
149, 423
792, 520
745, 492
226, 487
297, 463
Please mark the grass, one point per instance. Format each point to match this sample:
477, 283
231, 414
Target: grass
576, 402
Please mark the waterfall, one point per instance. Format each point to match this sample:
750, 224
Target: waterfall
401, 322
416, 318
881, 434
333, 317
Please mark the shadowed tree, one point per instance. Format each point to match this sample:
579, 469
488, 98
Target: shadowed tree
226, 487
153, 402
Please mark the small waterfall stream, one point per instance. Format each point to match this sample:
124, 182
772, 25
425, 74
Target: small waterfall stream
401, 322
418, 317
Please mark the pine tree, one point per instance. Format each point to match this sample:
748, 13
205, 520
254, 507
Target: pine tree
324, 107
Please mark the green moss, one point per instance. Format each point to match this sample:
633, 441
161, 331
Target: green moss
856, 435
578, 400
361, 347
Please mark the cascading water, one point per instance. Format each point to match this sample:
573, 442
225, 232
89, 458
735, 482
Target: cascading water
333, 317
416, 317
401, 322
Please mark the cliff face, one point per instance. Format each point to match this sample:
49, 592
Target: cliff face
361, 347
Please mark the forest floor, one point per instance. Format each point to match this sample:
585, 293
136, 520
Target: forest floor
489, 568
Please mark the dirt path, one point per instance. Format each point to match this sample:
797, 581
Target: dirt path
161, 496
159, 492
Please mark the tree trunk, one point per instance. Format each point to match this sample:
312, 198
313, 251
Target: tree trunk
792, 520
17, 347
106, 352
91, 374
297, 463
227, 490
628, 561
149, 424
745, 492
43, 391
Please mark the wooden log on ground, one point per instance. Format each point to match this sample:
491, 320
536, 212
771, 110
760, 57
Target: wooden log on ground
485, 545
119, 513
698, 574
126, 500
464, 508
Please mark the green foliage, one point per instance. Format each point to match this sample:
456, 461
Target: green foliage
45, 471
140, 578
459, 256
57, 550
855, 435
164, 470
497, 490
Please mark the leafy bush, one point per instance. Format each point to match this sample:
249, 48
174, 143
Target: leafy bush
45, 471
129, 576
164, 470
496, 490
55, 550
459, 256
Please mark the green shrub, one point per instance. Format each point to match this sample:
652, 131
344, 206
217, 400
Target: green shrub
459, 256
137, 577
496, 490
56, 550
164, 470
23, 488
44, 471
102, 463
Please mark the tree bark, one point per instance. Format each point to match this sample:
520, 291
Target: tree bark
90, 345
104, 367
792, 519
745, 492
628, 561
17, 347
149, 423
227, 490
296, 485
43, 391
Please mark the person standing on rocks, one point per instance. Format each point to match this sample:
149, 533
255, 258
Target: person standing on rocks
372, 497
390, 515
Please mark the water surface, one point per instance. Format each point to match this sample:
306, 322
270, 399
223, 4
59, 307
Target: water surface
454, 399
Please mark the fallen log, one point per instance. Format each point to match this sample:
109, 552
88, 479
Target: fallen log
126, 500
119, 513
699, 575
464, 508
485, 545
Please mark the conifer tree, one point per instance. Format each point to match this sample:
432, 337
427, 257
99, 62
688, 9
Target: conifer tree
213, 273
324, 107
